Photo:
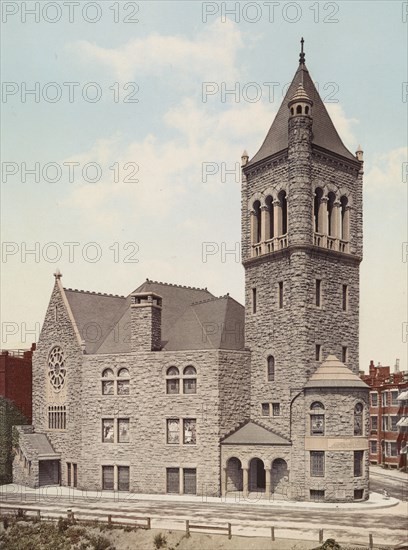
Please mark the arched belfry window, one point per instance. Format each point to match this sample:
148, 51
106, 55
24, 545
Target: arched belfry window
299, 110
271, 368
284, 207
358, 419
330, 213
317, 210
345, 222
269, 218
257, 222
317, 418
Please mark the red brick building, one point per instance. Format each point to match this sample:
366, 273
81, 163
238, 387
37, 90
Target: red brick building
388, 438
15, 402
16, 379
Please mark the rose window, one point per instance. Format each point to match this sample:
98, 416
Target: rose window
57, 372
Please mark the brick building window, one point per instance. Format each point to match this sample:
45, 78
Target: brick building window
57, 417
393, 421
317, 463
317, 418
384, 425
394, 401
265, 409
189, 380
280, 295
358, 419
276, 409
373, 424
384, 399
318, 293
115, 384
374, 399
271, 368
373, 447
391, 449
358, 463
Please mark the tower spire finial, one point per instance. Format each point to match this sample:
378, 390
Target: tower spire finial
302, 54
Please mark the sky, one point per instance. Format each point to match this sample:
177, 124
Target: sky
123, 124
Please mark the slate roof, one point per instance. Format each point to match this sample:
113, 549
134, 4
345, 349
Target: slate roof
192, 319
332, 373
324, 133
40, 444
252, 433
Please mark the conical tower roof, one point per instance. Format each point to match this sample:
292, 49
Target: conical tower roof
333, 373
300, 94
324, 133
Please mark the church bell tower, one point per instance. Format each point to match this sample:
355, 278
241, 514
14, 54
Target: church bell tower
301, 249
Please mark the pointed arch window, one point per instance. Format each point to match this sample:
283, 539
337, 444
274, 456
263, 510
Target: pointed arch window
271, 368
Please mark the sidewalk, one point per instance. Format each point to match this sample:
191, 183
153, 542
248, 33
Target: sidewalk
11, 492
388, 473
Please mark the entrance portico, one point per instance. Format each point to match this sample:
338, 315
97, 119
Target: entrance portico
255, 460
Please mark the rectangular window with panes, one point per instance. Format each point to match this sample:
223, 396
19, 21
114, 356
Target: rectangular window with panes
384, 399
374, 399
373, 447
393, 423
276, 409
394, 401
265, 409
373, 424
384, 424
317, 463
358, 463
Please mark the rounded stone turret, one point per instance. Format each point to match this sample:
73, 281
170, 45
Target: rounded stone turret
300, 104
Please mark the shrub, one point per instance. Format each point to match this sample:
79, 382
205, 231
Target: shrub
6, 522
159, 541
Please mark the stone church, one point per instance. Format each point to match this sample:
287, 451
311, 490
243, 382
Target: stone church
174, 390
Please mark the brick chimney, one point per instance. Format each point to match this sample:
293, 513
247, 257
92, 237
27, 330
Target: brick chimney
145, 315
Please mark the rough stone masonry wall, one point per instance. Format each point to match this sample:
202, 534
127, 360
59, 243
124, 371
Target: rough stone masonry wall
22, 473
338, 482
59, 332
234, 389
148, 406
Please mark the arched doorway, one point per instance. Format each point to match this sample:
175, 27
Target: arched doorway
234, 475
280, 477
257, 478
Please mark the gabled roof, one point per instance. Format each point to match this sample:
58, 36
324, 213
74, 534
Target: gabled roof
95, 315
192, 319
332, 373
324, 133
252, 433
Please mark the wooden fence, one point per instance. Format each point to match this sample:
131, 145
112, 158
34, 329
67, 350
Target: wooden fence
140, 522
